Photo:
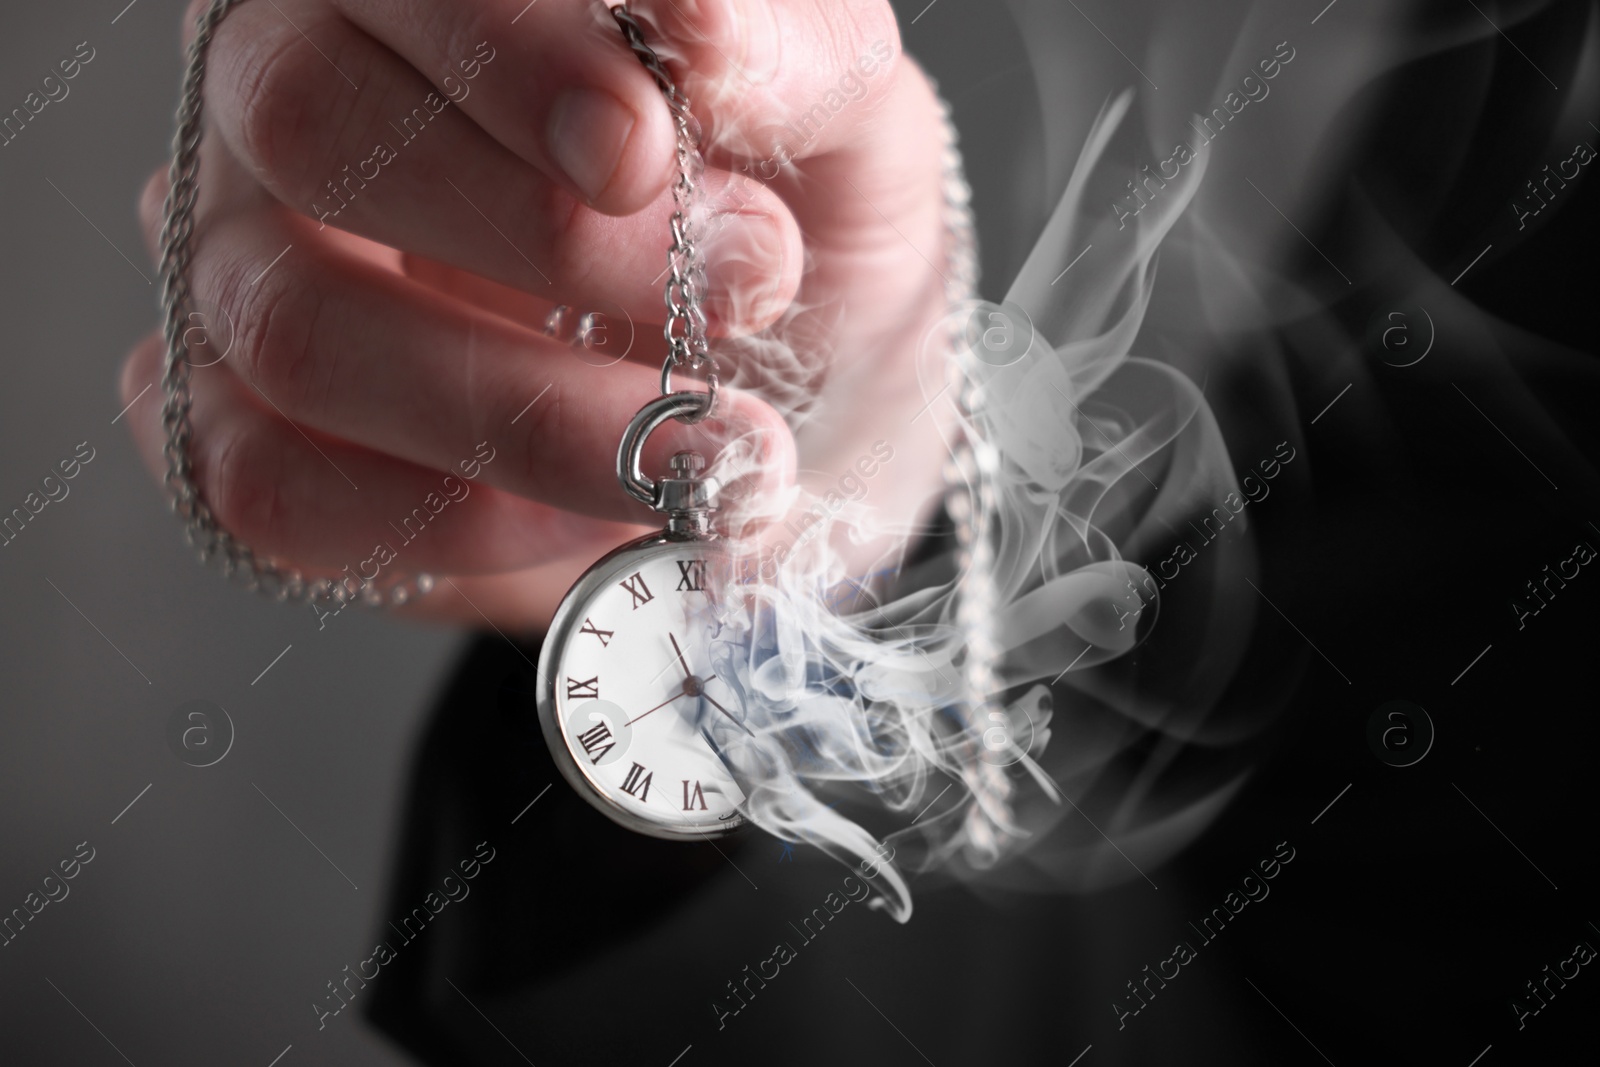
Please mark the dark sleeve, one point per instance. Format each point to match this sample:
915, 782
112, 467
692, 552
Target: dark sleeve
483, 784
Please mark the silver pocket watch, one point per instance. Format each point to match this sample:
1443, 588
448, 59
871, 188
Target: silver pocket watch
626, 683
628, 699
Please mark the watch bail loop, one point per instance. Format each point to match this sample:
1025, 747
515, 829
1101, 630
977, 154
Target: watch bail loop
685, 496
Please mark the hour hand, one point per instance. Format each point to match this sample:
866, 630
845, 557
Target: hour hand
687, 673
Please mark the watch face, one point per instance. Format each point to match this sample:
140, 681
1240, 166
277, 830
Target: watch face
629, 699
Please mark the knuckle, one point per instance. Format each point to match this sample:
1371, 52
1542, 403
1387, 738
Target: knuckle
274, 109
191, 17
462, 28
554, 221
571, 230
289, 114
275, 318
877, 22
241, 478
542, 426
849, 31
138, 369
152, 207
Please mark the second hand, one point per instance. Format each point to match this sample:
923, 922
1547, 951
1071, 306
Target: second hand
664, 703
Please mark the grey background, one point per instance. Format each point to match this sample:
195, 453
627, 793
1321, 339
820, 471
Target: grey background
205, 925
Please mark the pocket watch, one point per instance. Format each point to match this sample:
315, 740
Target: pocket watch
629, 699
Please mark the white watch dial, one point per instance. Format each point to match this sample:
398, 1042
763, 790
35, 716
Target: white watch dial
633, 678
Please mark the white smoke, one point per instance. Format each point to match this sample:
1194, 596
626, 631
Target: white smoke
864, 744
864, 700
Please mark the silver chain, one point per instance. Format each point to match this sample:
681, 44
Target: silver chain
204, 533
968, 477
969, 474
685, 330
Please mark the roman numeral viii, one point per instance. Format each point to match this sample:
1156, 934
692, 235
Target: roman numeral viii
594, 738
589, 690
640, 592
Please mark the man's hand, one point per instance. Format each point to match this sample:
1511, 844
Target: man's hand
395, 193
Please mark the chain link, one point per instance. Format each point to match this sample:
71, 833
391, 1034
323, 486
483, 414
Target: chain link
685, 330
203, 532
969, 476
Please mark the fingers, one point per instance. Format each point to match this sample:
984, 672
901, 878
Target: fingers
403, 163
341, 345
780, 79
323, 503
824, 106
563, 93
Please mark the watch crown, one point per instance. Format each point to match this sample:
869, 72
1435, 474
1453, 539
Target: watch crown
685, 495
687, 464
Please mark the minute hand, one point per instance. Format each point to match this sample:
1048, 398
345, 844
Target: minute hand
687, 673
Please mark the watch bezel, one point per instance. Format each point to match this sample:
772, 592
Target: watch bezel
563, 626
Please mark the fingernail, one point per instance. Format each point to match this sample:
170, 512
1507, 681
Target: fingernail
744, 268
758, 35
587, 133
